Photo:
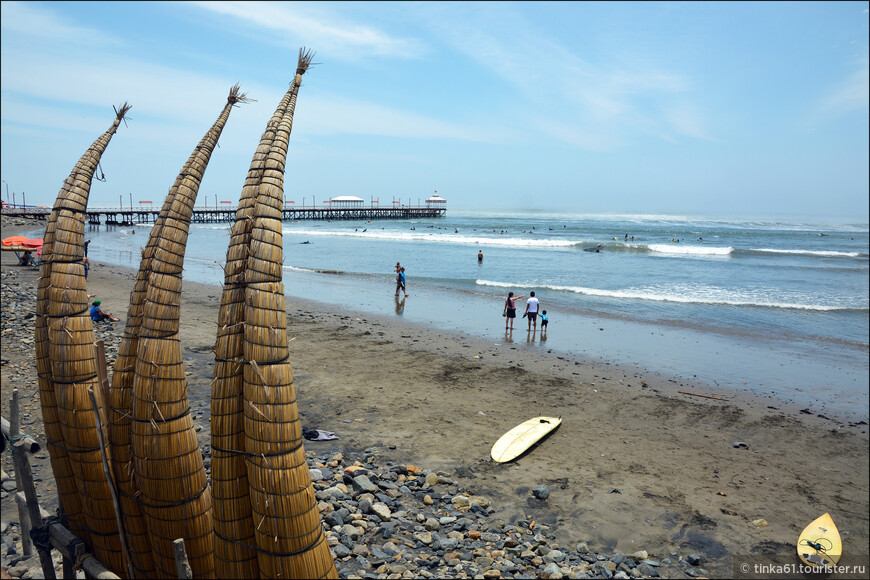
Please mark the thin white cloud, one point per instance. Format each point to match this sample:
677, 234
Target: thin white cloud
852, 94
42, 26
142, 85
313, 25
685, 119
601, 102
326, 115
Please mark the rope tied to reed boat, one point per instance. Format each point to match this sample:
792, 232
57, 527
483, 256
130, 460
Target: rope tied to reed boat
194, 497
68, 450
61, 207
41, 535
79, 313
310, 546
248, 362
84, 380
263, 455
161, 419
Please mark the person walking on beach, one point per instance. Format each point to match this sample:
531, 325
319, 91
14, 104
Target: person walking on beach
532, 305
545, 320
400, 282
510, 310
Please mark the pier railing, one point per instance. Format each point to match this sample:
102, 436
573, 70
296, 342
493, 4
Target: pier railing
119, 216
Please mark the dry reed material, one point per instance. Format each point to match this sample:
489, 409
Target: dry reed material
289, 534
121, 402
168, 469
66, 363
235, 553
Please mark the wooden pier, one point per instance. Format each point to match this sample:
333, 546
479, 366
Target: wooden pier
128, 217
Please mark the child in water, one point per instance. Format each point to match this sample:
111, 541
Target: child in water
544, 321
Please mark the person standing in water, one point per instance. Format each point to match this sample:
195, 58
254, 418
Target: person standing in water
532, 306
480, 256
510, 310
400, 281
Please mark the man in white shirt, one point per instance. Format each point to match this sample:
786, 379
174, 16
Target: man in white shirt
532, 308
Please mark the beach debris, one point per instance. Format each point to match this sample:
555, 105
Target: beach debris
66, 363
541, 492
614, 490
740, 445
704, 396
760, 523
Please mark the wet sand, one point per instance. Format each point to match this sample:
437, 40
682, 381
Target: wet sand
635, 464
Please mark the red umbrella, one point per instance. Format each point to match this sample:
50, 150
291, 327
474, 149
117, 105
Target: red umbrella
17, 241
35, 243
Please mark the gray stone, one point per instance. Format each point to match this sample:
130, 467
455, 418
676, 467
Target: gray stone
432, 524
333, 519
541, 492
382, 511
695, 559
647, 570
448, 543
362, 483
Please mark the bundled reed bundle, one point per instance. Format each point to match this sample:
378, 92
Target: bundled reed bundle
121, 408
168, 469
235, 555
289, 533
67, 367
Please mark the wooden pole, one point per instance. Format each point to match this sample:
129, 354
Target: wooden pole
22, 467
73, 549
32, 445
111, 482
104, 379
23, 516
182, 565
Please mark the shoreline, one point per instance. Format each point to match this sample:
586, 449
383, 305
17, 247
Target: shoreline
810, 374
441, 399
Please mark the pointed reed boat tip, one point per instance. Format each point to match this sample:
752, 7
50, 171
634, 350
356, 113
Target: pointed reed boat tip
236, 97
121, 112
305, 56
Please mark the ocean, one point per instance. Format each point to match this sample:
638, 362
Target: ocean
778, 308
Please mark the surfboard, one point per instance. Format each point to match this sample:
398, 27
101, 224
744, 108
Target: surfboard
518, 440
819, 544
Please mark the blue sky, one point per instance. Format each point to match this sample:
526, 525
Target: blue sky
699, 109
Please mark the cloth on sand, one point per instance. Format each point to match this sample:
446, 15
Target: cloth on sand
318, 435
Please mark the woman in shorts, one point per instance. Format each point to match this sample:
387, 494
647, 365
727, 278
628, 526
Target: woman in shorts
510, 310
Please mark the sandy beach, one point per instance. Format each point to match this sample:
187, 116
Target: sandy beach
635, 464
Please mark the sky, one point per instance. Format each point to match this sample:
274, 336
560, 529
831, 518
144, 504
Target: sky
679, 108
